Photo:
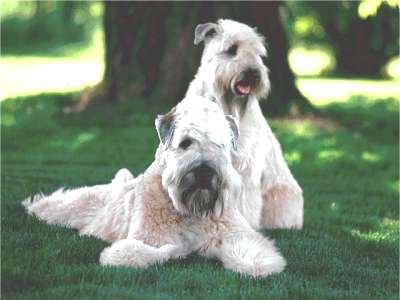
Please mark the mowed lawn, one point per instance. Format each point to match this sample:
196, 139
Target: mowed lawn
346, 162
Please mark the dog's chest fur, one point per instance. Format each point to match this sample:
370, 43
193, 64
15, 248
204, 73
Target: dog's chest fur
156, 222
154, 218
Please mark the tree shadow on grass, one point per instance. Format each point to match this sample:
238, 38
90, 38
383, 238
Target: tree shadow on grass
374, 119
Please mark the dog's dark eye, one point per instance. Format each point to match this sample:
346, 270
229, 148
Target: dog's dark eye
185, 144
232, 50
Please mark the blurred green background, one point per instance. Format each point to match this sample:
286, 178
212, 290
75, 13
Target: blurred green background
344, 151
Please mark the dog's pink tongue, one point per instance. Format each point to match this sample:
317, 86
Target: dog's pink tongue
244, 89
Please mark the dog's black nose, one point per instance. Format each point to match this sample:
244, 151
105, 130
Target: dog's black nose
204, 175
251, 75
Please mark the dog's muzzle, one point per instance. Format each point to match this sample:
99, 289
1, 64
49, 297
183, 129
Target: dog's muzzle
204, 176
246, 81
200, 189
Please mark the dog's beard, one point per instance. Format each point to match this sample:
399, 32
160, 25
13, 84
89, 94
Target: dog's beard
199, 201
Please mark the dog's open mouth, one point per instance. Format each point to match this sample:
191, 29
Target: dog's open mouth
242, 88
246, 82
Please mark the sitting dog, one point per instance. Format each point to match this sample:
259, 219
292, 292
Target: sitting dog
232, 74
186, 201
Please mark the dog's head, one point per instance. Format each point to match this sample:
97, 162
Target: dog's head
233, 52
197, 140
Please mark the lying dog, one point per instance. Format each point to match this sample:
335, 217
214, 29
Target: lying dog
186, 201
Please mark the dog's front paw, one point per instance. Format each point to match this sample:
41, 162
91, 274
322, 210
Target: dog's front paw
109, 257
174, 251
267, 266
259, 267
252, 254
137, 254
126, 253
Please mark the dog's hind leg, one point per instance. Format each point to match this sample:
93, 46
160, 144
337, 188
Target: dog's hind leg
99, 210
123, 175
283, 206
282, 196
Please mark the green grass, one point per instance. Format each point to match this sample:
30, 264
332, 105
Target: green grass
346, 163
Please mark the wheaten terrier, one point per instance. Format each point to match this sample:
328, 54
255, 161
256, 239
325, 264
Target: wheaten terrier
232, 74
186, 201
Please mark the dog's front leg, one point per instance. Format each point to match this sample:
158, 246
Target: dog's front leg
131, 252
249, 253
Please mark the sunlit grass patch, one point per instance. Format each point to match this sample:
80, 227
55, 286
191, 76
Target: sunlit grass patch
34, 75
307, 126
370, 157
322, 91
387, 232
76, 142
292, 156
75, 67
330, 155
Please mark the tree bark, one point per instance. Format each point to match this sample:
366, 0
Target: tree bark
134, 39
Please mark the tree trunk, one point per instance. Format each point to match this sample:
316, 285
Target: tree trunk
150, 51
134, 39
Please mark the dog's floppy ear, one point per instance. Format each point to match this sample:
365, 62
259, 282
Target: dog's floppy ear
234, 130
204, 32
165, 126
